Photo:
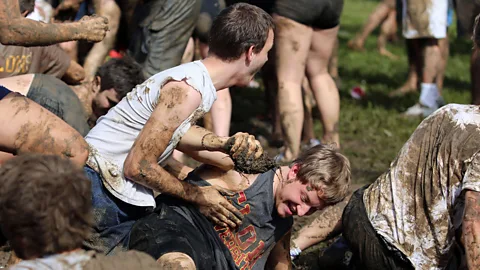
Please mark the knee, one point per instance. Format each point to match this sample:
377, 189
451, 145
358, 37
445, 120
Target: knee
176, 260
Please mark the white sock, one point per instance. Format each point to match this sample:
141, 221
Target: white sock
429, 95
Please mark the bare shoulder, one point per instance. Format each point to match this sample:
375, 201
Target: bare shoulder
178, 93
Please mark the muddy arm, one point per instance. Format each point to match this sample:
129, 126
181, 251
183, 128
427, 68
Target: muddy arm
279, 258
471, 229
18, 30
177, 169
326, 225
27, 127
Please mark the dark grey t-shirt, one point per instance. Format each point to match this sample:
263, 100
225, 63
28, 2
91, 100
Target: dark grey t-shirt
261, 228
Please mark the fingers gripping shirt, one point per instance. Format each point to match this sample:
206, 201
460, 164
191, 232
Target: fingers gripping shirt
411, 205
113, 136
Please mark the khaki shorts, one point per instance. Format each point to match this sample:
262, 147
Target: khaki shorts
425, 19
390, 3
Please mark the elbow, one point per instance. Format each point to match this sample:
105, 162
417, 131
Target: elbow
80, 155
5, 36
131, 168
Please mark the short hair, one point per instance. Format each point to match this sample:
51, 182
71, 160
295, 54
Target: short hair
238, 27
45, 205
121, 74
476, 32
324, 167
26, 5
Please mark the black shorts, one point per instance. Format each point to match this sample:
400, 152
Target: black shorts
166, 230
369, 249
322, 14
208, 12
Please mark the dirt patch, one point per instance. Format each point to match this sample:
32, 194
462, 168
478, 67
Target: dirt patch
245, 163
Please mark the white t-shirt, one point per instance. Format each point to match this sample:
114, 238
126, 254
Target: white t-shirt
114, 134
412, 205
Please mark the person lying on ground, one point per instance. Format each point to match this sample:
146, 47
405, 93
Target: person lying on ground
130, 143
79, 104
422, 213
180, 237
46, 213
27, 127
51, 60
15, 29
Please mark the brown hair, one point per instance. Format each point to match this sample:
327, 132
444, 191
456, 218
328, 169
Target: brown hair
324, 167
45, 205
237, 28
476, 32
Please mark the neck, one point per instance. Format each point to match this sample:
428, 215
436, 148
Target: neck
85, 94
280, 177
223, 74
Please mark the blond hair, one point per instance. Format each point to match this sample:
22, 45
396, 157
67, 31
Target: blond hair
323, 167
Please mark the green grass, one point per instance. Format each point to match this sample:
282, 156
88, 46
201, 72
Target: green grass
372, 130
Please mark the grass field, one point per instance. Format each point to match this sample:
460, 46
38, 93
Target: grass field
372, 130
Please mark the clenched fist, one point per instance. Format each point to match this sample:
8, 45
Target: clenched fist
94, 28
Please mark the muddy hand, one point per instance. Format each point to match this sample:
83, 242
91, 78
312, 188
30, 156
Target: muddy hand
96, 27
216, 208
244, 142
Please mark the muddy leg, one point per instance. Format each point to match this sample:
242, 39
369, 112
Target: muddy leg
389, 28
323, 86
375, 18
308, 132
445, 52
414, 69
292, 45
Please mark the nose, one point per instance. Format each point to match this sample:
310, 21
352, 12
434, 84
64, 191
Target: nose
302, 210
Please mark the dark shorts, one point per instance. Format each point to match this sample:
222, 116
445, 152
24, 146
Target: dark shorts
369, 249
208, 12
163, 28
4, 92
113, 218
322, 14
57, 97
467, 10
175, 227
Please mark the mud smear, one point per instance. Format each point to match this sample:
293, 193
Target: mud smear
245, 163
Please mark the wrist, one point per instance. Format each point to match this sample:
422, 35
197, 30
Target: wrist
78, 30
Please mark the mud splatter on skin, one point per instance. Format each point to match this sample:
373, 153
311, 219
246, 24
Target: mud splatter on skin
245, 163
172, 97
21, 103
295, 46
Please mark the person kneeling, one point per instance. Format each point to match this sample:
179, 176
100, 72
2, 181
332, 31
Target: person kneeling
177, 234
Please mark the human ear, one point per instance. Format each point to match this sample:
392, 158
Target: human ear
249, 54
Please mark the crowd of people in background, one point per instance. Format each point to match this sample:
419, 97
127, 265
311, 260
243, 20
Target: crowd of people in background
99, 104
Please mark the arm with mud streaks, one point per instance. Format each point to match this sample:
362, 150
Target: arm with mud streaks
18, 30
471, 229
279, 258
27, 127
176, 102
326, 225
177, 169
206, 147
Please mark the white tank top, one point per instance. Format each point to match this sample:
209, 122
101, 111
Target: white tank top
114, 134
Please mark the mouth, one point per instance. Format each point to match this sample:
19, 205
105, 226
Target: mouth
291, 209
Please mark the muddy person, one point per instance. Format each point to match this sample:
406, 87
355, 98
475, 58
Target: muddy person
29, 128
15, 29
306, 34
385, 12
422, 213
132, 141
46, 213
425, 22
79, 105
179, 236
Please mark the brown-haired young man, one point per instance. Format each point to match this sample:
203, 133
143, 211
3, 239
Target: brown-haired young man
130, 143
46, 214
180, 237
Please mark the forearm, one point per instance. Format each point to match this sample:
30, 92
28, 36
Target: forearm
326, 226
198, 139
25, 32
471, 229
75, 74
148, 173
177, 169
